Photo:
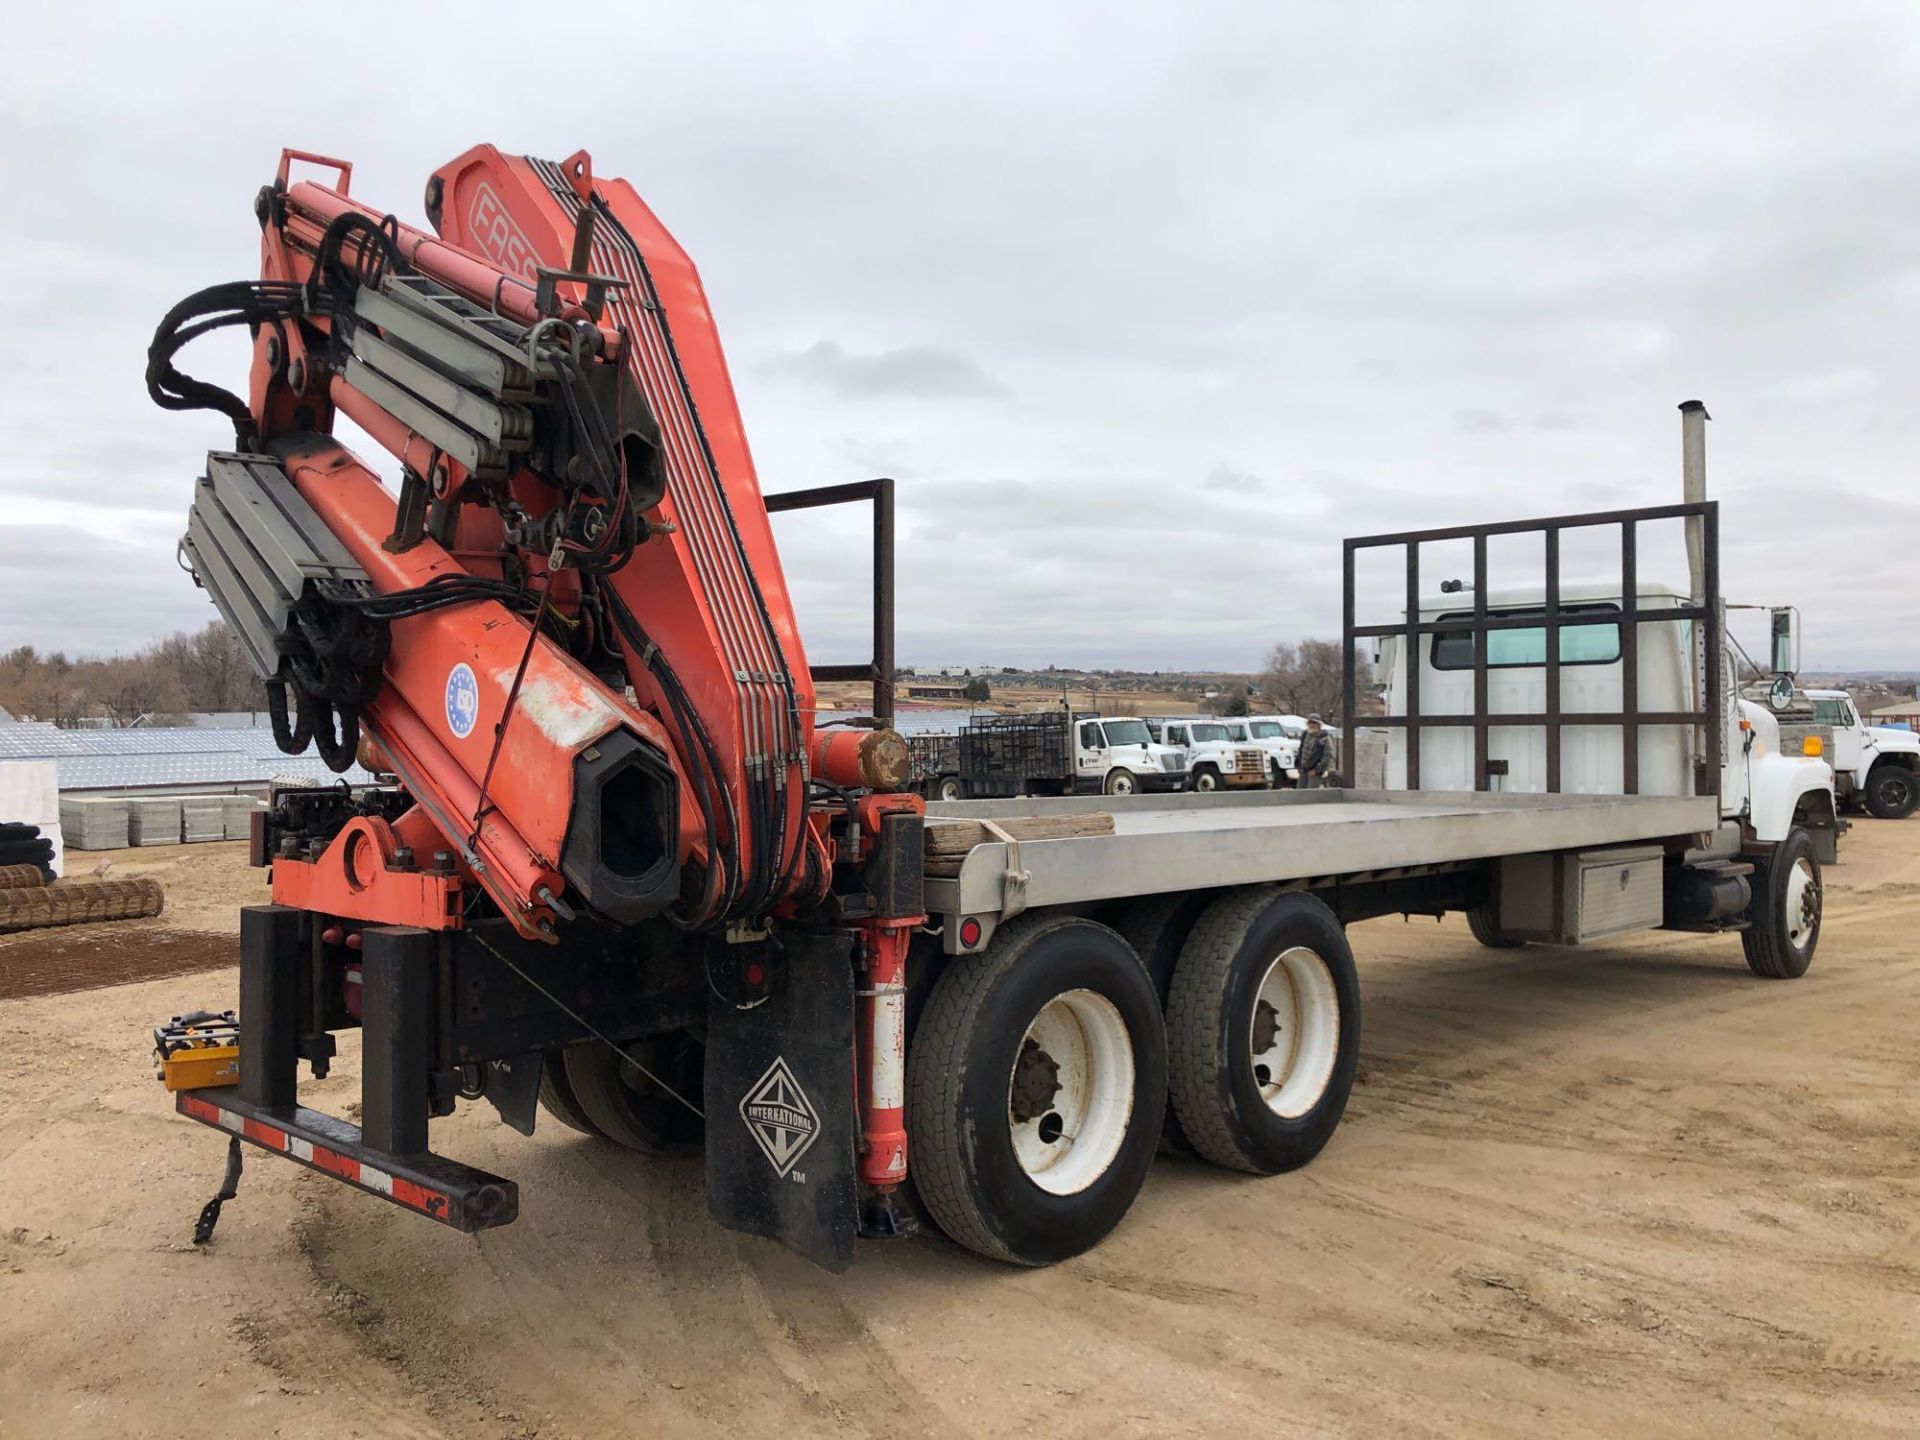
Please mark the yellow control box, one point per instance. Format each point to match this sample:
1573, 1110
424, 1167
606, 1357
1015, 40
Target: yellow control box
197, 1051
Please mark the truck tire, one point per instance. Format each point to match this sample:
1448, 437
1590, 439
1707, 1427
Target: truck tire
1274, 966
629, 1108
1120, 782
1480, 920
1783, 923
1206, 779
1892, 792
557, 1097
989, 1099
1157, 927
948, 788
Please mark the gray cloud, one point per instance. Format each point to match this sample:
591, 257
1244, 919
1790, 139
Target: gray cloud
1306, 241
921, 372
1481, 422
1225, 477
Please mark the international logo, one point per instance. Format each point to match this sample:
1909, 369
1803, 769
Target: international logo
780, 1118
463, 701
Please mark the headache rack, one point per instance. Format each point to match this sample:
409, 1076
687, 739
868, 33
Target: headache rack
1703, 609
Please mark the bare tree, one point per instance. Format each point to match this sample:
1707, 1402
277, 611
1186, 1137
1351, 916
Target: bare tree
205, 670
1231, 701
129, 688
217, 674
1305, 678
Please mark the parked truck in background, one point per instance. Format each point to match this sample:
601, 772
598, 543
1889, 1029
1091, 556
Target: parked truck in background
1876, 768
1277, 737
1213, 760
1046, 752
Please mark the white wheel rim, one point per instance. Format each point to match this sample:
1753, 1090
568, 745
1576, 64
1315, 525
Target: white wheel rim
1296, 1066
1067, 1146
1802, 904
1205, 782
1123, 784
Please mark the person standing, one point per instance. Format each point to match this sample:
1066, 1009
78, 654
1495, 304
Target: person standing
1316, 755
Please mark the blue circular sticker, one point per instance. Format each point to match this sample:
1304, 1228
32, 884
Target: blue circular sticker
463, 701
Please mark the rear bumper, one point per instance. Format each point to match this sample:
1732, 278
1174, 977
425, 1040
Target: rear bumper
456, 1195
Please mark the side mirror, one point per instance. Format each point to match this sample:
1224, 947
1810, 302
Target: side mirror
1786, 640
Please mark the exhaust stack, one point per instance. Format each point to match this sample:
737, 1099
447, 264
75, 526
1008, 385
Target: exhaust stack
1693, 472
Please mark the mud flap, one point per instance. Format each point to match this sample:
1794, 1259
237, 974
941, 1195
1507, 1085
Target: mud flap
781, 1124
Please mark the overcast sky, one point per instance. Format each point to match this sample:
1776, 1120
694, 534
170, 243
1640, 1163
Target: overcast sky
1145, 306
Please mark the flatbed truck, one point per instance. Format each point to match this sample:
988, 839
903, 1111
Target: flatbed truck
623, 883
1181, 977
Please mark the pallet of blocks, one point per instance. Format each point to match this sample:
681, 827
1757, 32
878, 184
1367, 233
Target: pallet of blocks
238, 816
153, 820
94, 822
203, 817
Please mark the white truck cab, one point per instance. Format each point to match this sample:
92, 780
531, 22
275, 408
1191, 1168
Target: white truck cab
1763, 788
1278, 739
1875, 768
1119, 756
1213, 761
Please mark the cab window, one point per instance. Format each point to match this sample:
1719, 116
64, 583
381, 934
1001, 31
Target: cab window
1832, 712
1090, 736
1582, 642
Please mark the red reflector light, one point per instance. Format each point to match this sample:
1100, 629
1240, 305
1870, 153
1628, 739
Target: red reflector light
756, 976
969, 932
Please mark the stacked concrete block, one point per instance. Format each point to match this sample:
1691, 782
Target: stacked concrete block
94, 823
203, 817
153, 820
238, 815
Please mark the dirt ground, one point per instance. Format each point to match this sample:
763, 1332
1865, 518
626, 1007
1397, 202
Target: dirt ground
1629, 1190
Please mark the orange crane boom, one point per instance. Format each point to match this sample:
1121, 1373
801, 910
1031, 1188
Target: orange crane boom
567, 638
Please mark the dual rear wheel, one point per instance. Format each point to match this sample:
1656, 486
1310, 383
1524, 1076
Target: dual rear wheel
1044, 1071
628, 1099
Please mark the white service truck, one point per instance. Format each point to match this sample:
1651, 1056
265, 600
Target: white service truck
1876, 768
1213, 760
1275, 738
1046, 752
1619, 686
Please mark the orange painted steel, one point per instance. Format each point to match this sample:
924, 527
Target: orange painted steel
358, 877
711, 587
706, 588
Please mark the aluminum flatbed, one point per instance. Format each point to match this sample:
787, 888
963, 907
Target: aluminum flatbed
1162, 844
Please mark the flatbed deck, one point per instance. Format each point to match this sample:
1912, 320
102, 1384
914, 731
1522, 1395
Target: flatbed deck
1189, 842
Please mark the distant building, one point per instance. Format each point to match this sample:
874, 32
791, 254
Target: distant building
1907, 712
919, 691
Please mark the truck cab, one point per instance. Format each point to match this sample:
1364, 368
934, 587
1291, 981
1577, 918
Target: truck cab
1115, 755
1875, 768
1765, 786
1213, 761
1277, 737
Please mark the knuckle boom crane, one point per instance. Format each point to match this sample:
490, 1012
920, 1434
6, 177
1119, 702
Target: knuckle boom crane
618, 868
